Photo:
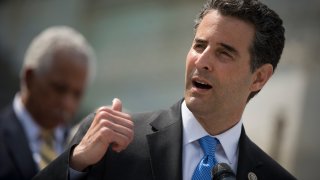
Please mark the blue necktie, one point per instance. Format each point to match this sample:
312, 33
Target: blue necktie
203, 170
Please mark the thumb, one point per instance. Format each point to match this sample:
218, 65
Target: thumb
116, 104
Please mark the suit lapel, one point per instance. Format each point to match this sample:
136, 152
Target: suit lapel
165, 144
18, 146
247, 161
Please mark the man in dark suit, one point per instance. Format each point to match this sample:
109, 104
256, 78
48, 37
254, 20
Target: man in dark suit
237, 46
53, 79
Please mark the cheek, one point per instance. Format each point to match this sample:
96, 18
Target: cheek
239, 87
40, 95
191, 58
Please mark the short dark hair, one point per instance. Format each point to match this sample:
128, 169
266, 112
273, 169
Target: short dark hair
269, 37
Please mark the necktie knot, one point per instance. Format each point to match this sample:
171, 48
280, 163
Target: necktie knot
203, 170
47, 135
208, 144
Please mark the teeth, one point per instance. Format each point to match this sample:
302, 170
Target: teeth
201, 83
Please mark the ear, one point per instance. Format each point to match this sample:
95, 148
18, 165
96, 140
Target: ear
28, 78
261, 76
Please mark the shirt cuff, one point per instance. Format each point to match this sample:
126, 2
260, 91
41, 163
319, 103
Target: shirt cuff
76, 175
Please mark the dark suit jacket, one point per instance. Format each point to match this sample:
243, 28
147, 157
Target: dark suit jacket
156, 153
16, 161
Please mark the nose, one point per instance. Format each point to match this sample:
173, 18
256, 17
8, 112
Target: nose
204, 60
69, 103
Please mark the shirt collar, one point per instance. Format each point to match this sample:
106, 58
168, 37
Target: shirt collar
228, 139
30, 127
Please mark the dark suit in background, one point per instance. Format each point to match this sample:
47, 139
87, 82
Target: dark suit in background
156, 153
16, 161
16, 158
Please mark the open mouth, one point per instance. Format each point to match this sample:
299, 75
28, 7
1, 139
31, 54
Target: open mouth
201, 85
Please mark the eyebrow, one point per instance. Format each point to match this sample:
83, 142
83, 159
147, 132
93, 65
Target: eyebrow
197, 40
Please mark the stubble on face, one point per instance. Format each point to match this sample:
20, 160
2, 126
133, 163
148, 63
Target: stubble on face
218, 76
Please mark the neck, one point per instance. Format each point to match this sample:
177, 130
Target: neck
218, 123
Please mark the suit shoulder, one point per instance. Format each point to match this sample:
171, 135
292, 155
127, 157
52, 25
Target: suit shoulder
6, 112
145, 116
268, 166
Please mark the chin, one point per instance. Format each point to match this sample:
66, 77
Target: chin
193, 102
49, 126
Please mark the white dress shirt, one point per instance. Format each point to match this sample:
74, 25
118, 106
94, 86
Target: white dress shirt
32, 130
226, 150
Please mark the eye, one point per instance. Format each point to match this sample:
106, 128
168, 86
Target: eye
59, 88
224, 55
199, 47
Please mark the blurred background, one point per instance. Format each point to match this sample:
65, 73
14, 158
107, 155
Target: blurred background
141, 47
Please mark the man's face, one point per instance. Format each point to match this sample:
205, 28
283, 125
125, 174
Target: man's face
218, 76
55, 95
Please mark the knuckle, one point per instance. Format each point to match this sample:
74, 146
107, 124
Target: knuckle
102, 108
127, 116
106, 124
103, 122
102, 132
106, 132
103, 111
131, 124
100, 114
103, 115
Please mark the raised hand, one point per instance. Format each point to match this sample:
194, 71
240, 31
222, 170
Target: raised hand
110, 127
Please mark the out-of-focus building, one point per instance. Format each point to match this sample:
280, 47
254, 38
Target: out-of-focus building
141, 47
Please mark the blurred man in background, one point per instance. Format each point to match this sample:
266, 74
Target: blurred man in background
34, 128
